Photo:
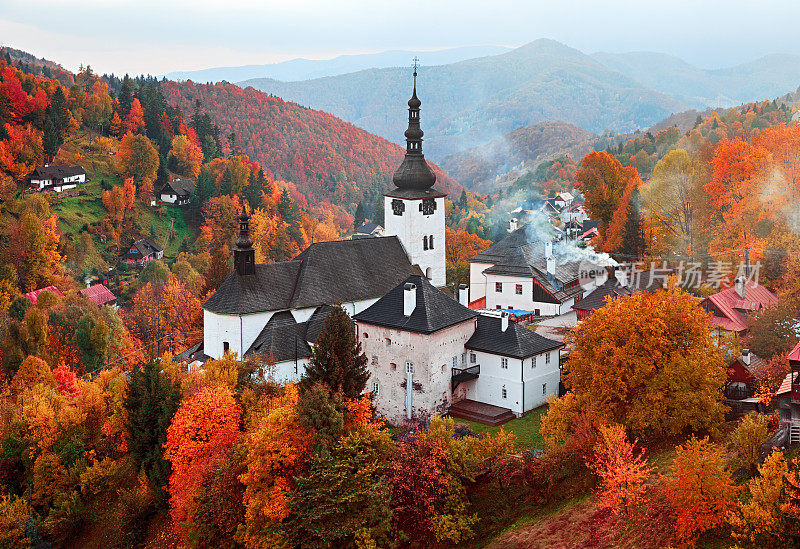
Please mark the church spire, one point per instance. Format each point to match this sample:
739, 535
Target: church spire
414, 172
244, 256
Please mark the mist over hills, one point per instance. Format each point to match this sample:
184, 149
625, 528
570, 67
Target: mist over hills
478, 100
768, 76
306, 69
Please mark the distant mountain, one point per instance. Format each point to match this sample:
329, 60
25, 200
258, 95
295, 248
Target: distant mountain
325, 157
478, 100
768, 76
305, 69
486, 167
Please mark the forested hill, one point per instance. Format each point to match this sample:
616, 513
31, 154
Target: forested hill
477, 100
324, 156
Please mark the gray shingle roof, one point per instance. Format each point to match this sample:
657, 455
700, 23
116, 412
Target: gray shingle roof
284, 339
145, 246
325, 273
180, 187
597, 297
515, 255
515, 342
434, 311
56, 172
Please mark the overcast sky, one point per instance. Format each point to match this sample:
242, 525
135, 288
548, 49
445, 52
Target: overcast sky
158, 36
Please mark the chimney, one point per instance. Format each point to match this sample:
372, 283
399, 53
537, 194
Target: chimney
548, 249
512, 225
551, 266
621, 276
738, 284
503, 321
409, 298
746, 356
463, 295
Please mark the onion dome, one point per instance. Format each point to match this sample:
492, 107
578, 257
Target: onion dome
414, 173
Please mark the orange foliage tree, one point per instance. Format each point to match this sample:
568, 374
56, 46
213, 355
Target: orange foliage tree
461, 245
702, 491
202, 430
185, 157
622, 472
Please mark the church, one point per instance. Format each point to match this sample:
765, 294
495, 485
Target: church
426, 351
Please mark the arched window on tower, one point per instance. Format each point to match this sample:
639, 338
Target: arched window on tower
430, 242
424, 242
428, 273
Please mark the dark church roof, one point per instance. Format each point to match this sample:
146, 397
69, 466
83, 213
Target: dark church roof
284, 339
515, 342
434, 311
326, 272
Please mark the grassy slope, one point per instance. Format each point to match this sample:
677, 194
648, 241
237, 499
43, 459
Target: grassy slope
87, 208
526, 428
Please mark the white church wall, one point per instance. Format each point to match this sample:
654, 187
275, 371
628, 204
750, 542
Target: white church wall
238, 331
412, 227
288, 370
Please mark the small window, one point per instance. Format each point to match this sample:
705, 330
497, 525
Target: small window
393, 366
366, 335
464, 359
533, 362
374, 360
504, 392
498, 287
547, 358
430, 242
409, 367
424, 242
472, 358
504, 363
225, 346
510, 307
376, 389
518, 289
388, 342
544, 388
295, 368
455, 362
497, 306
537, 312
443, 367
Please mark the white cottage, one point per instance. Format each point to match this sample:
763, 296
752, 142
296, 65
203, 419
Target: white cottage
57, 178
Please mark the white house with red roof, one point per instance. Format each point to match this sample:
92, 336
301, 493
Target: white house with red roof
731, 307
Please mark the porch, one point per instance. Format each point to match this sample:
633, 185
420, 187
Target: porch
486, 414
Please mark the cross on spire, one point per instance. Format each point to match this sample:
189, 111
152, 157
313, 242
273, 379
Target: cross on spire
416, 66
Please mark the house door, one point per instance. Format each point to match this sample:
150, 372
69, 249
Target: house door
409, 389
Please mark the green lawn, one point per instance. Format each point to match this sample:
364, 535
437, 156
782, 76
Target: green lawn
526, 428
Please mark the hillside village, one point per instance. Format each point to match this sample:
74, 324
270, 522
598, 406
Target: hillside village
198, 351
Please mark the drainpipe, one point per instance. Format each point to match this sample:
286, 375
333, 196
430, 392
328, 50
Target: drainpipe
241, 339
522, 379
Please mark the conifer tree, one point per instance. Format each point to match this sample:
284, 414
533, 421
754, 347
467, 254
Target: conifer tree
337, 359
151, 402
359, 217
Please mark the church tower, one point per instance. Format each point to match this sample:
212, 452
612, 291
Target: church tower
414, 208
244, 256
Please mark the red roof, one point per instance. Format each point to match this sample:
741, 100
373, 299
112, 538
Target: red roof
478, 304
730, 305
98, 294
794, 354
34, 295
786, 384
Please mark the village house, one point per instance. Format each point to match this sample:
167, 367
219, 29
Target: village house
368, 229
34, 295
563, 200
100, 295
177, 191
788, 398
732, 306
526, 277
57, 178
142, 252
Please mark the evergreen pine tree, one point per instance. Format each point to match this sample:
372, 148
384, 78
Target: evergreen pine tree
633, 242
463, 203
125, 97
359, 217
150, 403
162, 176
51, 139
337, 359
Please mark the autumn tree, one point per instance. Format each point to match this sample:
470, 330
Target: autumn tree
751, 433
774, 330
603, 181
137, 157
134, 121
702, 491
461, 245
768, 517
201, 433
337, 359
647, 361
150, 403
185, 157
622, 470
768, 375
